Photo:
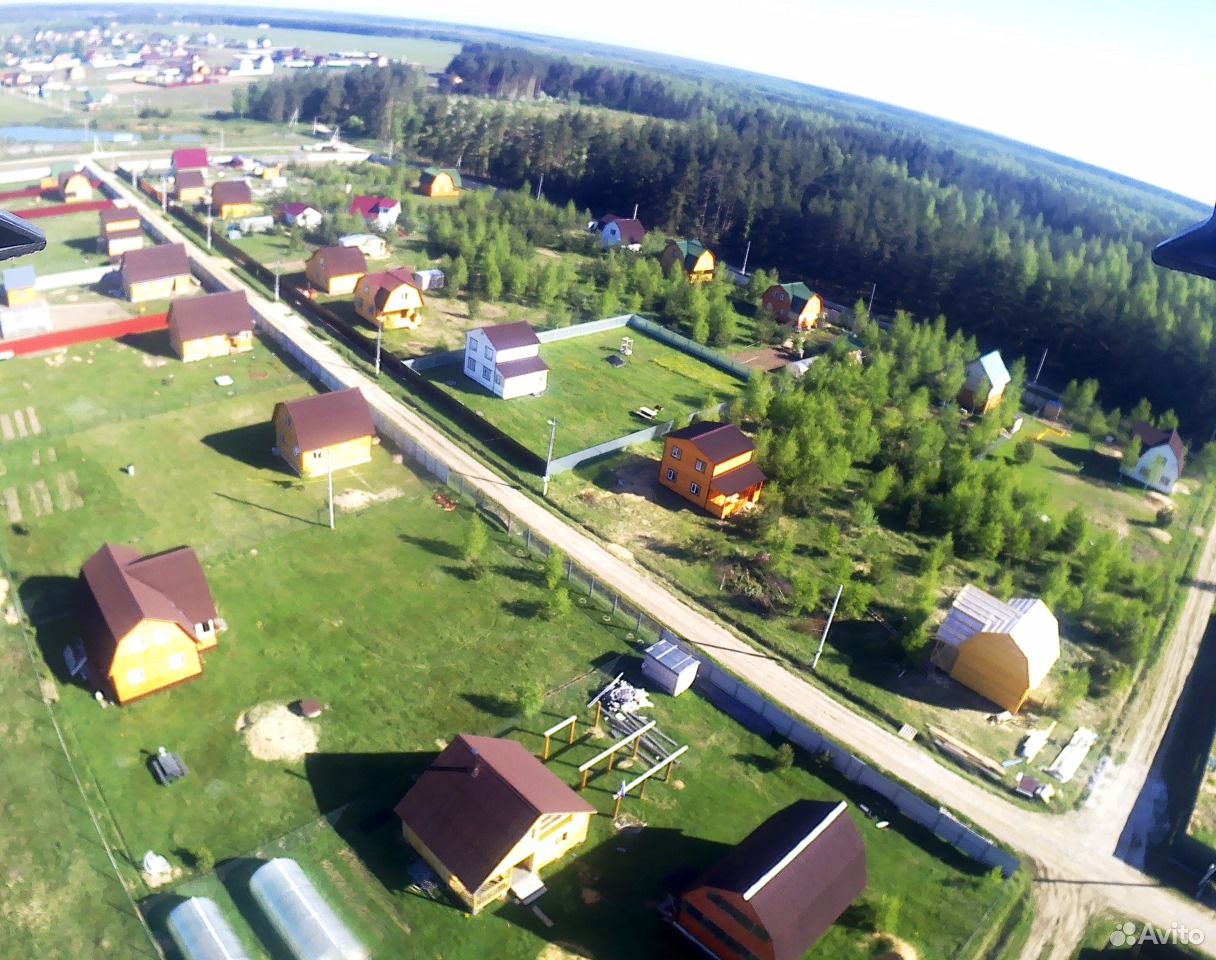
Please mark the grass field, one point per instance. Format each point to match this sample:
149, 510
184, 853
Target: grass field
1097, 941
378, 620
592, 400
71, 244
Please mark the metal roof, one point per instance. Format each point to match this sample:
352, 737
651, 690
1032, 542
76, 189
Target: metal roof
1026, 620
989, 366
670, 656
324, 419
508, 336
19, 278
211, 315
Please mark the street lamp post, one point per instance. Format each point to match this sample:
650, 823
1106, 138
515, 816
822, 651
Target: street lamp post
544, 490
379, 335
208, 228
276, 281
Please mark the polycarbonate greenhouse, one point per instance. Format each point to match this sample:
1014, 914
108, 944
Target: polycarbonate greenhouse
201, 932
305, 922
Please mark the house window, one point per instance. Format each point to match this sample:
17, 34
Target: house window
675, 453
489, 353
699, 466
694, 488
471, 364
135, 676
316, 454
498, 379
671, 475
485, 373
177, 661
135, 644
160, 636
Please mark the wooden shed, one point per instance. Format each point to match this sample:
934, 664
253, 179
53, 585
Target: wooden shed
439, 182
335, 270
155, 273
669, 668
212, 325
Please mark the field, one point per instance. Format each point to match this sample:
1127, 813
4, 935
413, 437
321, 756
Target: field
403, 648
592, 400
1102, 941
71, 244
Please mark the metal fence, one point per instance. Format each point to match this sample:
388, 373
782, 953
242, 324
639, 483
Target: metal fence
700, 351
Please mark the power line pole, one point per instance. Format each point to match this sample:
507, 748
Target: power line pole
746, 253
826, 627
276, 281
1042, 361
540, 185
379, 335
329, 463
870, 307
208, 228
544, 491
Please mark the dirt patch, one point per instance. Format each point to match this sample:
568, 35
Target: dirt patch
1158, 499
589, 896
896, 949
677, 784
273, 732
359, 499
3, 589
150, 361
1158, 534
563, 951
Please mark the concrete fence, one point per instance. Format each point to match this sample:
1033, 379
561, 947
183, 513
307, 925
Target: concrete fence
73, 278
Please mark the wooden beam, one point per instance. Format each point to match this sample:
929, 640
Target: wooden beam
623, 742
571, 722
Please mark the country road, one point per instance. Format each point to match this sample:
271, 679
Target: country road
1077, 871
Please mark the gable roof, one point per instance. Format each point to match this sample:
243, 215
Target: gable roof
631, 229
718, 441
430, 173
507, 336
189, 179
211, 315
478, 799
187, 157
155, 263
991, 366
340, 261
120, 589
383, 283
369, 206
324, 419
1026, 620
737, 480
691, 251
18, 278
799, 294
798, 870
67, 175
1151, 437
231, 191
296, 207
118, 215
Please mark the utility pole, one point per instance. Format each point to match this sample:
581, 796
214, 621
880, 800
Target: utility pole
539, 185
826, 627
870, 307
208, 228
164, 194
329, 463
746, 253
544, 491
635, 211
379, 335
1042, 361
276, 281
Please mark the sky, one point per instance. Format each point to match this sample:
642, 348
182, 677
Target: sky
1122, 84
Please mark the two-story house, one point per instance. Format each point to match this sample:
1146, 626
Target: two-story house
710, 464
389, 299
505, 359
793, 303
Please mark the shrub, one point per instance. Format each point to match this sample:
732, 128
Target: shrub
554, 570
783, 759
558, 605
529, 698
1023, 450
1165, 517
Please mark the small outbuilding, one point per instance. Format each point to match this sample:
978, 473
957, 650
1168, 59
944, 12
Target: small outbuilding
389, 299
20, 286
299, 214
155, 273
335, 270
987, 378
439, 182
1162, 457
780, 888
488, 816
669, 668
430, 279
74, 186
324, 432
119, 230
189, 186
212, 325
199, 930
695, 260
231, 199
378, 212
300, 915
1002, 651
373, 247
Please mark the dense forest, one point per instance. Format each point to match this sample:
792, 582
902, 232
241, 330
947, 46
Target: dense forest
1022, 255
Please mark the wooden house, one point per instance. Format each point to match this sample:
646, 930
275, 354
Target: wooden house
617, 231
324, 432
155, 273
213, 325
378, 212
231, 199
189, 187
389, 299
120, 230
299, 214
1002, 651
188, 158
793, 303
439, 182
335, 270
505, 359
488, 817
20, 287
696, 260
711, 464
780, 888
74, 185
987, 378
145, 621
1162, 457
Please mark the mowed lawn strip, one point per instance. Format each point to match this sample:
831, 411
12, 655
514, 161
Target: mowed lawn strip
71, 243
592, 400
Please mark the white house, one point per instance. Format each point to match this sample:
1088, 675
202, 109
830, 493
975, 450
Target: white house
300, 214
505, 359
1162, 458
378, 212
623, 233
987, 378
251, 65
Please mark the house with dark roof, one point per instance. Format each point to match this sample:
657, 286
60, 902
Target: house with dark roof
119, 230
155, 273
73, 185
335, 270
389, 299
189, 158
189, 186
212, 325
488, 816
793, 303
711, 464
780, 888
505, 359
439, 182
987, 378
692, 257
617, 231
231, 199
296, 213
145, 621
324, 432
1162, 457
378, 212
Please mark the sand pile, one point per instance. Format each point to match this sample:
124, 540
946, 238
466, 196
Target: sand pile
273, 732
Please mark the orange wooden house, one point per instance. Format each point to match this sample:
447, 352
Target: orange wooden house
439, 182
73, 186
145, 621
710, 464
324, 432
335, 270
695, 259
389, 299
793, 303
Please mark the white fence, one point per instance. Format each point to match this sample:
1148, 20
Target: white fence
73, 278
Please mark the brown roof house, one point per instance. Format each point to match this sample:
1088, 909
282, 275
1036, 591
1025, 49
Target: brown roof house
335, 269
1162, 457
712, 465
213, 325
231, 199
617, 231
73, 185
780, 889
487, 816
1000, 650
145, 620
189, 186
324, 432
389, 299
155, 273
505, 359
119, 231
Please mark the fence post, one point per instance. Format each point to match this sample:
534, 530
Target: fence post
569, 568
616, 599
527, 538
590, 585
638, 626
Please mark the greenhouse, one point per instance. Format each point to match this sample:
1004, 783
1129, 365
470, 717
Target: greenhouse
201, 932
305, 922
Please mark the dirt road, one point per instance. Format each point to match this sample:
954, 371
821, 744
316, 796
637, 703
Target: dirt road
1074, 855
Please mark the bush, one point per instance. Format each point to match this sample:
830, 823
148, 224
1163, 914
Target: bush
554, 570
1023, 450
1165, 517
529, 698
558, 605
783, 759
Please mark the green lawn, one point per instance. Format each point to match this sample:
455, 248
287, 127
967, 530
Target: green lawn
592, 400
1097, 941
71, 244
